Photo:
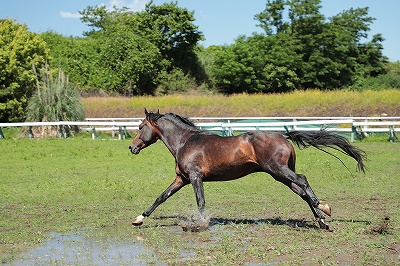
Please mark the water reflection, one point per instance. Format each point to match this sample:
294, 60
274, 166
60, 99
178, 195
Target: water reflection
78, 248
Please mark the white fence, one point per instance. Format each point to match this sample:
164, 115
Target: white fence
228, 126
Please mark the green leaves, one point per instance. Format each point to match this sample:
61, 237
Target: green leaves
257, 64
19, 51
303, 50
137, 49
132, 61
156, 51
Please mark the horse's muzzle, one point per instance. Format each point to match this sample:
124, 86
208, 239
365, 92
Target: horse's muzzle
134, 150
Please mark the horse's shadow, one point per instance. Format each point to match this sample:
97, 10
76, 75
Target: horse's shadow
219, 221
215, 222
269, 221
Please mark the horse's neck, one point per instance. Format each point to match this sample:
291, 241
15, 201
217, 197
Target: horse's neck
174, 135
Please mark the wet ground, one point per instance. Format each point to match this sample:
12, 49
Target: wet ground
95, 248
115, 246
79, 248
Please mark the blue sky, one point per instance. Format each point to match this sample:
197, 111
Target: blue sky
221, 21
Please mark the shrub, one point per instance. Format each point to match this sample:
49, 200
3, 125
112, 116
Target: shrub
175, 82
19, 50
381, 82
54, 100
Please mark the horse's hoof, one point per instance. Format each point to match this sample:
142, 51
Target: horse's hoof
323, 225
135, 223
325, 208
138, 221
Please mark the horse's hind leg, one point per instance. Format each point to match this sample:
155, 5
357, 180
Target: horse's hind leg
315, 209
309, 192
298, 183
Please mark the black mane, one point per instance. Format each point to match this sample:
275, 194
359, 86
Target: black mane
155, 116
183, 119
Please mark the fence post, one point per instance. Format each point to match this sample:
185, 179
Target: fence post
126, 132
112, 131
391, 132
286, 129
31, 136
67, 131
294, 127
120, 133
1, 134
230, 131
60, 132
94, 133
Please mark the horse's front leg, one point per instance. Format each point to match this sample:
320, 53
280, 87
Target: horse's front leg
171, 190
197, 182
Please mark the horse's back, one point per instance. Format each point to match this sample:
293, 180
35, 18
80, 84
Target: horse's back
272, 149
266, 139
260, 140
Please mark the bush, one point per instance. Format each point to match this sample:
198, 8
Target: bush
54, 100
19, 50
381, 82
175, 82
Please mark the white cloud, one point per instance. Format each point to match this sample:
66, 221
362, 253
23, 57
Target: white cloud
64, 14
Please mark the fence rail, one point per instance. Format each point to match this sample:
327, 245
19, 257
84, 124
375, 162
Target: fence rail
228, 126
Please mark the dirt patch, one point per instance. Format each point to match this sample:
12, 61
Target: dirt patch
381, 228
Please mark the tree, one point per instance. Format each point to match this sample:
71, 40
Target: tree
20, 50
98, 18
132, 61
79, 59
333, 53
300, 51
256, 64
161, 39
171, 29
272, 17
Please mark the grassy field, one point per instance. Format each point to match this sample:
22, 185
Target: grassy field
97, 187
298, 103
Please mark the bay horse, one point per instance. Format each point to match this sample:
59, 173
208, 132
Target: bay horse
202, 156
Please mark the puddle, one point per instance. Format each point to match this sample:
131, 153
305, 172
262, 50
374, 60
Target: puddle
115, 248
80, 249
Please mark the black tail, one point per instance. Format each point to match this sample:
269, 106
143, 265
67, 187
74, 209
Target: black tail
323, 138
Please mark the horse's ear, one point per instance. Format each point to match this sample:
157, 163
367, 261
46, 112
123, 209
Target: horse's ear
158, 111
145, 112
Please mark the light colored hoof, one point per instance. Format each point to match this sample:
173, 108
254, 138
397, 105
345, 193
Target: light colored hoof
138, 221
325, 208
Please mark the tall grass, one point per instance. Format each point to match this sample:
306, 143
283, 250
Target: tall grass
54, 100
297, 103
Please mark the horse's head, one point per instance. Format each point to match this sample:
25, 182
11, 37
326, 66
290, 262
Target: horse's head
148, 133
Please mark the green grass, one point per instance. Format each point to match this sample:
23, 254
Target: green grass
52, 185
298, 103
